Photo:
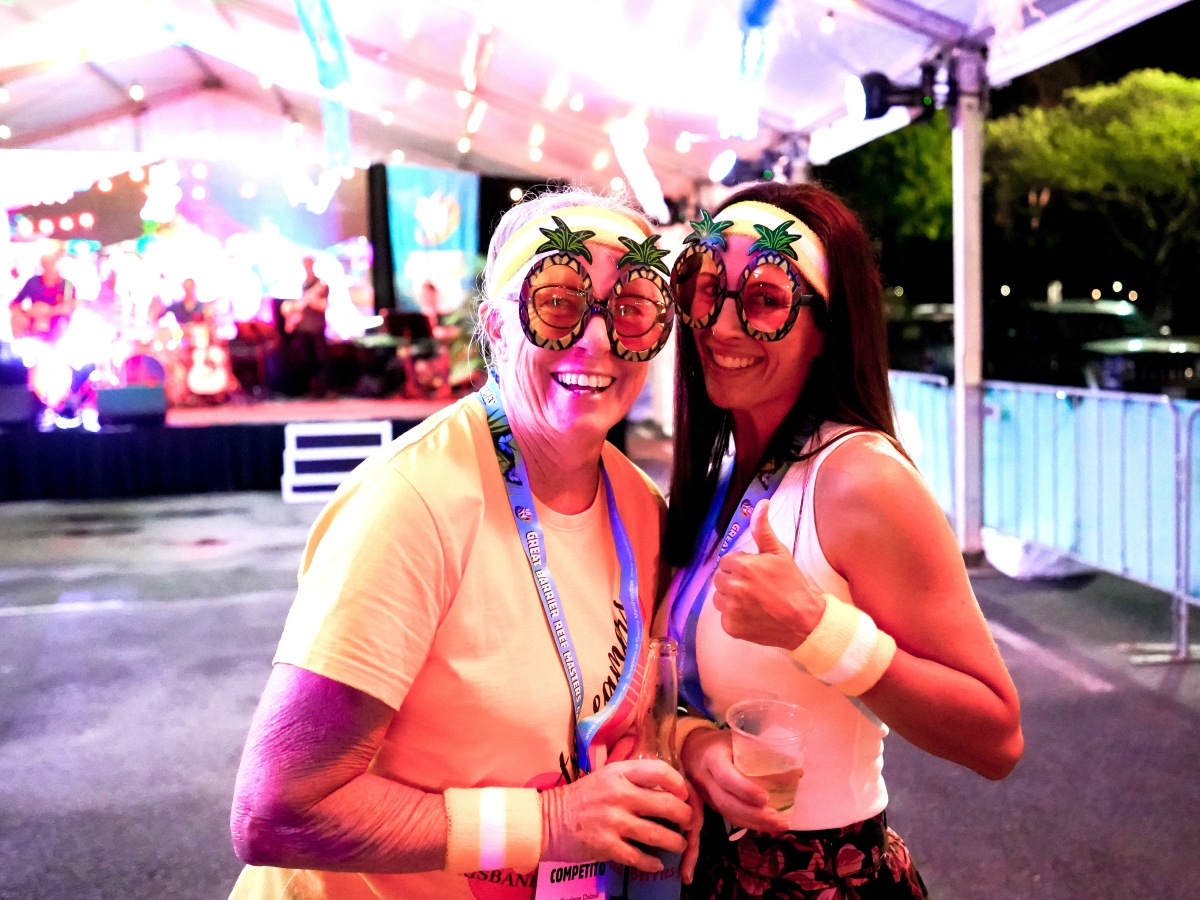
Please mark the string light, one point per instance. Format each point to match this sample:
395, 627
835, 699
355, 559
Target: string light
1117, 287
86, 220
104, 185
537, 134
601, 160
464, 145
1133, 295
248, 190
556, 92
5, 132
198, 192
535, 153
475, 119
137, 174
684, 142
66, 223
265, 82
516, 194
387, 117
413, 89
5, 96
462, 98
617, 184
576, 103
397, 156
137, 93
827, 25
108, 135
200, 171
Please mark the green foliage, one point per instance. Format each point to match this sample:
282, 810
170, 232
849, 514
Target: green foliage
707, 232
900, 183
564, 240
643, 254
1129, 153
777, 239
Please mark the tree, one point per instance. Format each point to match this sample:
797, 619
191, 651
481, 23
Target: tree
1125, 157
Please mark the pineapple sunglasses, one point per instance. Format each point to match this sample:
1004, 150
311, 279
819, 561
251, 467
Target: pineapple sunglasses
775, 283
556, 300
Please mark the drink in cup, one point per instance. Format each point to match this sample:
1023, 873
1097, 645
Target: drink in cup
768, 746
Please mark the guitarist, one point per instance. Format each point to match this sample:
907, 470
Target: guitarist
304, 320
44, 305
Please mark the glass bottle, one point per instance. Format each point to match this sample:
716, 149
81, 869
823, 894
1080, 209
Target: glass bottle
659, 704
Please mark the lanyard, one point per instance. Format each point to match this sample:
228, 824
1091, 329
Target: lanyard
693, 582
599, 727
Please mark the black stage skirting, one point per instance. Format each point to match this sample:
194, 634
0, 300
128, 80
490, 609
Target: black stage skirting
144, 461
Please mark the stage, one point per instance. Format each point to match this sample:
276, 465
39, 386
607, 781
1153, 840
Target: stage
232, 447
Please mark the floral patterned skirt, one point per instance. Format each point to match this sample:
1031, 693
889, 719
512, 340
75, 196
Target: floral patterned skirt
864, 861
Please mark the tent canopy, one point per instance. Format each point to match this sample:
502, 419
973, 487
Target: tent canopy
223, 78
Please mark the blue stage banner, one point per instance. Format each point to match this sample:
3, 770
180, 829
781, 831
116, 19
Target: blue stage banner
434, 216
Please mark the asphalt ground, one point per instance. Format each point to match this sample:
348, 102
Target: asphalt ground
135, 638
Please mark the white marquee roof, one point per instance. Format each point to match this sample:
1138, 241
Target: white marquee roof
67, 66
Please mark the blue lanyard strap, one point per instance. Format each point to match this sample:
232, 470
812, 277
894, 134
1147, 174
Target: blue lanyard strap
600, 725
688, 598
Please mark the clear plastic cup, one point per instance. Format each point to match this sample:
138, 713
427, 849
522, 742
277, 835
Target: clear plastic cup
769, 737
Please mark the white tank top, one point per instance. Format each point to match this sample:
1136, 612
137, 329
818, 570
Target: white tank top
843, 765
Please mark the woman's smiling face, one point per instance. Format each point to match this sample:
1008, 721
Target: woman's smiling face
585, 388
743, 374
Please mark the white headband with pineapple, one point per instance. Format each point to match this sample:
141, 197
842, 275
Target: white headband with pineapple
777, 229
581, 223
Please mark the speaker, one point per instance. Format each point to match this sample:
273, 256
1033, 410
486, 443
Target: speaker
133, 405
18, 405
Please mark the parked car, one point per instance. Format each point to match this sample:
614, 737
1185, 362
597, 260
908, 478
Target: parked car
921, 339
1155, 365
1044, 342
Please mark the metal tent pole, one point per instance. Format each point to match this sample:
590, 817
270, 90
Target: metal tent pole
967, 151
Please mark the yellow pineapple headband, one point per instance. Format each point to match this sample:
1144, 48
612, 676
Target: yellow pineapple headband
778, 229
590, 223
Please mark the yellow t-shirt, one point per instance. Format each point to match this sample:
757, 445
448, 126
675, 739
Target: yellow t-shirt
415, 589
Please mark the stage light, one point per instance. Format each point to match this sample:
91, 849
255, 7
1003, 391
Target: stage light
5, 96
722, 165
137, 174
879, 95
397, 156
200, 171
248, 190
576, 103
601, 160
617, 184
413, 89
104, 185
1117, 287
535, 153
556, 92
66, 223
516, 194
464, 145
198, 192
462, 98
5, 132
537, 134
387, 117
46, 226
475, 119
265, 82
827, 25
137, 93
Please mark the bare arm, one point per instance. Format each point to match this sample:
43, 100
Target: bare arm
947, 690
304, 797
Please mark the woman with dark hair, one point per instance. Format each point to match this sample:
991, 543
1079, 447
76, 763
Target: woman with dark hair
816, 567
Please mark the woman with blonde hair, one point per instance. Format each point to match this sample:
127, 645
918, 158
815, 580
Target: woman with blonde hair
464, 646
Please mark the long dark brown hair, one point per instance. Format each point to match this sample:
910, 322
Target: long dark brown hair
848, 383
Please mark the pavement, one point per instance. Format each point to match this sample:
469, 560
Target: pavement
136, 636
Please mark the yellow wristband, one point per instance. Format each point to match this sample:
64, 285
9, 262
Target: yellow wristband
493, 828
846, 650
685, 726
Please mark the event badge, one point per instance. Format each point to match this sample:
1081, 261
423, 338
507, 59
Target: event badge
572, 881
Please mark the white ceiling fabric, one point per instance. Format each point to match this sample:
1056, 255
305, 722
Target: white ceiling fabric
67, 65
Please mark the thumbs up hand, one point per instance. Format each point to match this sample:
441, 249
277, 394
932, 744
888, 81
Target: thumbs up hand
761, 595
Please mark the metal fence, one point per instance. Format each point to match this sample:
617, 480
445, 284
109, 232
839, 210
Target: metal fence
1107, 478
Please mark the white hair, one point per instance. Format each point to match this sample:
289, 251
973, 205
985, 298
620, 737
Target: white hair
516, 218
